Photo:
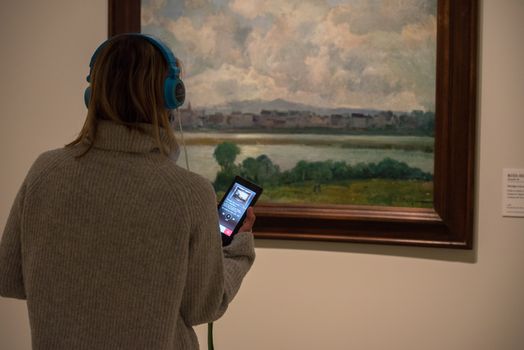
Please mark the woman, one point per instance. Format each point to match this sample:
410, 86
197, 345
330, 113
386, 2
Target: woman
112, 244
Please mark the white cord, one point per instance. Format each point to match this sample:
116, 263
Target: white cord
210, 345
182, 137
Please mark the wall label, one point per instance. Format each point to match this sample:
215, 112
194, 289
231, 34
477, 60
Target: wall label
513, 192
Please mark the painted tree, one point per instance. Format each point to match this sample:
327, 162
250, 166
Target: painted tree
225, 155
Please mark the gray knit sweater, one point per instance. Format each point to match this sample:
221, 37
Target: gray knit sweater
119, 249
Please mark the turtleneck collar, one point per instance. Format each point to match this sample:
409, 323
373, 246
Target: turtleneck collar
117, 137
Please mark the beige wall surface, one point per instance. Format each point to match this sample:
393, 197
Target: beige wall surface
302, 295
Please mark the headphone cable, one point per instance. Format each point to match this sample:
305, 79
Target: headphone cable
182, 137
210, 345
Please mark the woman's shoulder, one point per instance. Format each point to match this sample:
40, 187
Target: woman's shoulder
192, 184
47, 161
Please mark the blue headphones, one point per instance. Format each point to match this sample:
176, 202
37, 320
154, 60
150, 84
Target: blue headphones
174, 89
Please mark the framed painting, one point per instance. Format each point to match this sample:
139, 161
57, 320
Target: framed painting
357, 117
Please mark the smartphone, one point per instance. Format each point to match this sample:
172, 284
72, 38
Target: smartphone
232, 209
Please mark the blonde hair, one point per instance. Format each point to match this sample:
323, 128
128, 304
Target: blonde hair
127, 87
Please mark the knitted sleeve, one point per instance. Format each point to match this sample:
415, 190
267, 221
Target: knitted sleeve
11, 278
214, 275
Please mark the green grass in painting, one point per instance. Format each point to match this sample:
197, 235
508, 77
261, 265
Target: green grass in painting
398, 193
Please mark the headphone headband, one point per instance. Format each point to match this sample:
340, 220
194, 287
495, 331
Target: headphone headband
174, 89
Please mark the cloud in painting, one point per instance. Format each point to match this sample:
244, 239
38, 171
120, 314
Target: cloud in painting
333, 53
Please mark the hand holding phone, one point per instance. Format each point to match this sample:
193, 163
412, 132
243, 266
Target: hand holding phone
233, 208
249, 221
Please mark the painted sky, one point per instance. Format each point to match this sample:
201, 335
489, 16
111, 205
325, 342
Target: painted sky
376, 54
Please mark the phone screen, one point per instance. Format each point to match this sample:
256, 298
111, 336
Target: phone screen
232, 209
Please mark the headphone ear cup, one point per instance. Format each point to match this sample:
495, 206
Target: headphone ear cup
87, 96
174, 93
